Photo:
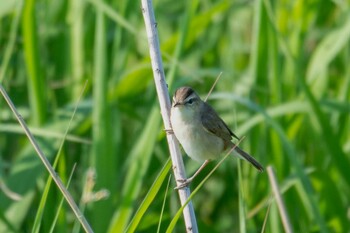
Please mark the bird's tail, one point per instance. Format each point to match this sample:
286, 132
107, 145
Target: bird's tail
249, 158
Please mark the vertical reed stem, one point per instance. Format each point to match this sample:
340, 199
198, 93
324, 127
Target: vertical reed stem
164, 101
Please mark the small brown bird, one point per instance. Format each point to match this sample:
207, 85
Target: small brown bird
201, 132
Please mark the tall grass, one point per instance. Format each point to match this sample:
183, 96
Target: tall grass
285, 87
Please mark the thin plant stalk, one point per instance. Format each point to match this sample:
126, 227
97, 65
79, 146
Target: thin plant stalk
164, 101
212, 87
52, 228
280, 203
47, 164
265, 219
163, 206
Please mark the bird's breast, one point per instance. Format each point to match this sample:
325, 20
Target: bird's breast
198, 143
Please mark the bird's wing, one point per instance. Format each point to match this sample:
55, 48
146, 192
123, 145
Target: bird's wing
214, 124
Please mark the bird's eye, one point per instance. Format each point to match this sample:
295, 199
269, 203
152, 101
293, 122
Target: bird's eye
190, 101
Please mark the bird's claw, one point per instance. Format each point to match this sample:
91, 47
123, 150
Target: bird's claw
169, 131
184, 183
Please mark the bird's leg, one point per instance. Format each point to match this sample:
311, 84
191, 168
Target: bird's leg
186, 182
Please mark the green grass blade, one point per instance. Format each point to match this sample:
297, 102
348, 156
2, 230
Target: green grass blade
51, 133
61, 202
35, 79
330, 139
325, 53
41, 208
103, 158
76, 20
115, 16
163, 205
179, 212
147, 201
140, 158
292, 156
241, 202
11, 42
39, 214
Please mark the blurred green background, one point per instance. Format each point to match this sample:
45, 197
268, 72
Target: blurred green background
285, 87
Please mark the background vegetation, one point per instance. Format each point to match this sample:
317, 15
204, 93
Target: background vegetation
285, 87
